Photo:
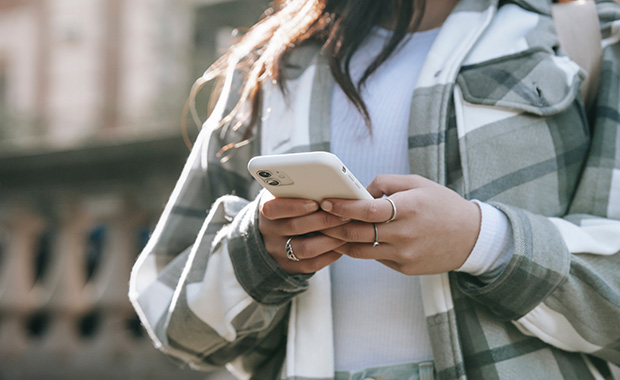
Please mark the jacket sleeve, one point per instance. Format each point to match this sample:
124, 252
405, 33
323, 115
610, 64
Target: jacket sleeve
562, 284
204, 287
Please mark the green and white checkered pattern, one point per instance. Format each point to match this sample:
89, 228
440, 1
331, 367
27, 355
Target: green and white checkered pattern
497, 116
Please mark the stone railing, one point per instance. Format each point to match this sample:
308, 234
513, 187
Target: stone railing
64, 311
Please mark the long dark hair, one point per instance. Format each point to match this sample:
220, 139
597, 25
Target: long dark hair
340, 26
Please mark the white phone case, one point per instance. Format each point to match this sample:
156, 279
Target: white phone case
313, 175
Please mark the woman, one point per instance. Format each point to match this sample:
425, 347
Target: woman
500, 257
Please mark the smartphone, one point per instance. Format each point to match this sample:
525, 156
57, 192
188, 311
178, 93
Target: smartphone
312, 175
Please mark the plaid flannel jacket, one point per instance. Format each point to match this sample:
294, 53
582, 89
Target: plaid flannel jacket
496, 116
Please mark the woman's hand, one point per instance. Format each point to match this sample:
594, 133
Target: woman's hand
434, 231
282, 218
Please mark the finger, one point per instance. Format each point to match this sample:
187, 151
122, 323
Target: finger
311, 265
364, 251
280, 208
303, 225
309, 247
355, 232
371, 211
322, 261
388, 184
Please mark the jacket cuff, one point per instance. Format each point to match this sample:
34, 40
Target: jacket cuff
256, 271
540, 263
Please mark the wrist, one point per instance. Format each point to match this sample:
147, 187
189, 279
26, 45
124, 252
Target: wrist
472, 232
494, 245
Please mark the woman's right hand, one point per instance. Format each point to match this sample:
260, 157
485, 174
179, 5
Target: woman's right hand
282, 218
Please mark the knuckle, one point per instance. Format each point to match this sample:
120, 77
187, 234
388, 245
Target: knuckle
412, 261
413, 205
370, 211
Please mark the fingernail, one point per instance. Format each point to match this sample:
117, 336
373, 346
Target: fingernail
345, 219
311, 206
326, 205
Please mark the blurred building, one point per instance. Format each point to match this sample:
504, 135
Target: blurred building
91, 93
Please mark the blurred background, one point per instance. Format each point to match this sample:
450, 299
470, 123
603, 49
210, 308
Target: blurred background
91, 93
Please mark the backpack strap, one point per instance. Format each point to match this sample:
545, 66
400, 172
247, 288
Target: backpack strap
577, 26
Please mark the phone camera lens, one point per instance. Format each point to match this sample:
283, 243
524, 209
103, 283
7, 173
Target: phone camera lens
272, 182
264, 174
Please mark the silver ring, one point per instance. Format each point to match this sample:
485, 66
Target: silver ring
289, 250
376, 242
393, 210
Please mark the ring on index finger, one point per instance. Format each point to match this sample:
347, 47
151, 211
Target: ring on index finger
393, 210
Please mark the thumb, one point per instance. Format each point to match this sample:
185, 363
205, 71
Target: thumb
388, 184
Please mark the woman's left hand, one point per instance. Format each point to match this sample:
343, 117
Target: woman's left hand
434, 231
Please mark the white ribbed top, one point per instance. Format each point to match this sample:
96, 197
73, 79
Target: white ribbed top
378, 315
